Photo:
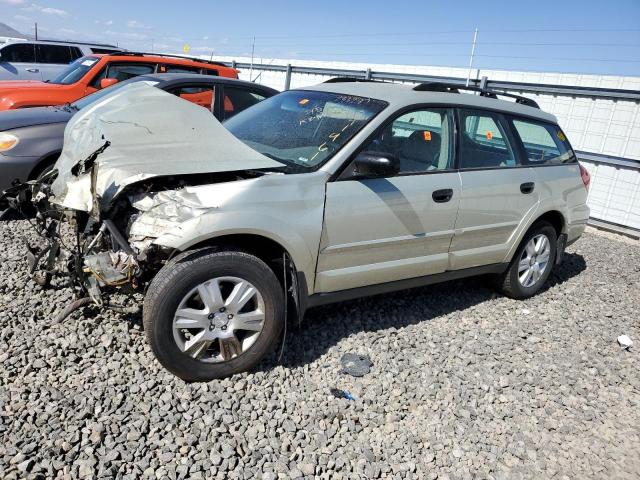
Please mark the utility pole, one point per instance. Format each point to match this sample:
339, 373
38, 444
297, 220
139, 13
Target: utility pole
36, 29
473, 51
253, 49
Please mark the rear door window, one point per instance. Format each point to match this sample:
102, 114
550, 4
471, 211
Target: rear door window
238, 99
19, 53
484, 142
544, 144
60, 54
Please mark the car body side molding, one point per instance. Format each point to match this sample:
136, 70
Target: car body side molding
407, 283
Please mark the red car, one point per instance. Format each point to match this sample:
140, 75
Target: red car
93, 72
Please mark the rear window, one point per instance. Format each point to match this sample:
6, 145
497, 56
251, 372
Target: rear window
544, 143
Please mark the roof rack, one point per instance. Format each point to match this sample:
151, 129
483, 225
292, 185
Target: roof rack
348, 79
484, 92
69, 42
195, 59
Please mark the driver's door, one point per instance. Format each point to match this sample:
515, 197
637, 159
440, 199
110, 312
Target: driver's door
380, 230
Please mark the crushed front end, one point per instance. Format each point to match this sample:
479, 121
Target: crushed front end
121, 181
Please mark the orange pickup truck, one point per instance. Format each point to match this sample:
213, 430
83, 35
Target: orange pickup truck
93, 72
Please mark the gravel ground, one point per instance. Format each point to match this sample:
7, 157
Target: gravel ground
465, 384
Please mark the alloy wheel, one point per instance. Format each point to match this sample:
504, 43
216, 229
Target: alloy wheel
219, 319
534, 260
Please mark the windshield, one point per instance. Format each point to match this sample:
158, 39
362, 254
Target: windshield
303, 128
83, 102
75, 71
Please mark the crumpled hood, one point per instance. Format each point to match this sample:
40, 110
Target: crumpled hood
138, 133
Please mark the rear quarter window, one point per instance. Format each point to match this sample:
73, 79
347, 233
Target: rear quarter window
544, 143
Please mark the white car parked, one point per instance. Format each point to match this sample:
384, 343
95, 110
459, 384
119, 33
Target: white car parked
43, 59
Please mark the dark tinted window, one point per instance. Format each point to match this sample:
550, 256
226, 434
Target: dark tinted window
238, 99
483, 141
75, 52
544, 143
178, 69
422, 140
208, 71
19, 52
103, 50
123, 71
53, 54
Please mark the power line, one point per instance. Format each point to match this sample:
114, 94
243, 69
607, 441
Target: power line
427, 43
427, 55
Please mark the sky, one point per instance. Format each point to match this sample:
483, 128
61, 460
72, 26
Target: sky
557, 36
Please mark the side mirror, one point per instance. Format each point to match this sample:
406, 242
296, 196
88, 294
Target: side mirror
375, 165
107, 82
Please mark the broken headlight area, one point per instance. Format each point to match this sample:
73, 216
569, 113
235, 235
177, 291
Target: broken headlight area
91, 256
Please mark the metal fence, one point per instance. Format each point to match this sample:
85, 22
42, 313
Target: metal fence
599, 121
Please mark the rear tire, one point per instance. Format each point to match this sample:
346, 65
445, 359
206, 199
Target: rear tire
193, 354
529, 269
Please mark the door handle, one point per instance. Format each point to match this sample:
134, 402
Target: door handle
442, 196
527, 187
32, 70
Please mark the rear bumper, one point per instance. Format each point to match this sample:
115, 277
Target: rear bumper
15, 167
579, 216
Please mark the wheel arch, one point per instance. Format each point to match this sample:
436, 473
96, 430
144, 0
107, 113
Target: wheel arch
553, 217
266, 249
46, 161
275, 255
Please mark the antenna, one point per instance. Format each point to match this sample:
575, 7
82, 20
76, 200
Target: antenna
473, 51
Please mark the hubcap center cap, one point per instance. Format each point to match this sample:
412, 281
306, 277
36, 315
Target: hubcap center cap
219, 320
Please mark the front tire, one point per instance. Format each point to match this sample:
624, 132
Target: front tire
210, 314
532, 263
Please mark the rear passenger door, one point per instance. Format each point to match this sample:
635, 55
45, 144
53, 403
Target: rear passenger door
498, 193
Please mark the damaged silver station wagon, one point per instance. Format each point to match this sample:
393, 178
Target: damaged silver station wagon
341, 190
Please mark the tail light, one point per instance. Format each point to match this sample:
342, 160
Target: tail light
584, 174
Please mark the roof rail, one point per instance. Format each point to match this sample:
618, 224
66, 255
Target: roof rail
484, 92
167, 55
69, 42
347, 79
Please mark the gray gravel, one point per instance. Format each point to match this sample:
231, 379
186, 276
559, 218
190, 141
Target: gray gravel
464, 384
